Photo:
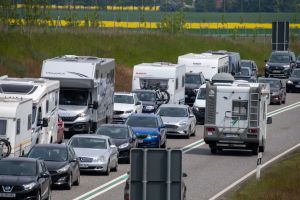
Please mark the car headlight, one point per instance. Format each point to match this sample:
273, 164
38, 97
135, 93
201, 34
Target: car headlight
286, 66
122, 146
63, 169
29, 186
83, 114
267, 66
152, 136
149, 107
99, 159
128, 111
289, 82
183, 123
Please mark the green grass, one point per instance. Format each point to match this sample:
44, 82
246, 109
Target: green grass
21, 54
279, 182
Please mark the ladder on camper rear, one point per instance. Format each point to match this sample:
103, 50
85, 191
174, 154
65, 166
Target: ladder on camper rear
254, 108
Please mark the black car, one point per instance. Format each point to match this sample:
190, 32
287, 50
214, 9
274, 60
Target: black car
251, 65
297, 65
61, 162
151, 99
24, 178
280, 64
277, 89
293, 84
122, 136
193, 81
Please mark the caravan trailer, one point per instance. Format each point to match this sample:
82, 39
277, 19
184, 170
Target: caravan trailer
16, 124
163, 76
86, 92
44, 95
235, 116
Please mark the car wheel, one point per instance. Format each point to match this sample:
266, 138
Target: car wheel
115, 169
213, 150
194, 132
107, 169
255, 150
70, 183
77, 182
164, 145
188, 133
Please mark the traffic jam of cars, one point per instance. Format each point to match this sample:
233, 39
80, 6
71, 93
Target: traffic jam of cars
77, 123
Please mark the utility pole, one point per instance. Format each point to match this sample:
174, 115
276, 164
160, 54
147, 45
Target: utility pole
224, 5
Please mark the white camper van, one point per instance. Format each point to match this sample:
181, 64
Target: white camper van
15, 124
86, 93
207, 63
44, 95
235, 116
161, 75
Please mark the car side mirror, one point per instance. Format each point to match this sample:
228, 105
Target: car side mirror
138, 103
44, 175
191, 116
184, 175
269, 120
113, 146
45, 122
74, 160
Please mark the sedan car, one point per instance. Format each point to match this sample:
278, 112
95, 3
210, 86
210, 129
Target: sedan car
61, 162
293, 83
277, 89
246, 74
151, 99
24, 178
149, 130
122, 136
96, 152
178, 119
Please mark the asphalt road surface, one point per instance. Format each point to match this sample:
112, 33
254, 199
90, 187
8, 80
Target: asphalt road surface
207, 174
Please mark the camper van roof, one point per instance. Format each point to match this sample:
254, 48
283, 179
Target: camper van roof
223, 77
203, 56
79, 59
159, 64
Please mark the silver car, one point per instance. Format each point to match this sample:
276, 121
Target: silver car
178, 119
95, 152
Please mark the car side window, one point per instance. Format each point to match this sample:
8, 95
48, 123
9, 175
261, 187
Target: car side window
109, 142
40, 168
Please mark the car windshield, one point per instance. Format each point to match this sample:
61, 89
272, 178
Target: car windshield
246, 64
273, 83
296, 73
113, 132
141, 121
298, 58
126, 99
49, 154
88, 143
146, 96
73, 97
192, 79
172, 112
202, 93
245, 72
279, 58
17, 168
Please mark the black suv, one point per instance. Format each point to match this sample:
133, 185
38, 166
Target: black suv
193, 81
280, 64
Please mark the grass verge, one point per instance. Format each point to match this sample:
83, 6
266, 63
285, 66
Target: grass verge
280, 181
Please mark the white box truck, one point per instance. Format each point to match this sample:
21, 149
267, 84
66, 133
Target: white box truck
235, 116
163, 76
16, 124
86, 92
44, 95
207, 63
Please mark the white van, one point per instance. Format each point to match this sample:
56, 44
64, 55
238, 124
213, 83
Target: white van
163, 76
200, 104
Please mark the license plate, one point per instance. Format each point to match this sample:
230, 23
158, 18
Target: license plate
276, 71
84, 166
66, 129
9, 195
231, 135
140, 141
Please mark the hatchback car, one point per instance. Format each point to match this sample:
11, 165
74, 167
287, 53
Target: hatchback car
178, 119
151, 99
149, 130
61, 162
277, 89
96, 152
293, 83
24, 178
122, 136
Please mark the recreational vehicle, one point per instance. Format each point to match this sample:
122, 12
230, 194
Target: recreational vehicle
234, 60
235, 116
15, 124
162, 76
207, 63
44, 95
86, 92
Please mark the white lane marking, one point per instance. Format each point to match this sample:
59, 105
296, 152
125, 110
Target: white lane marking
283, 108
252, 172
281, 111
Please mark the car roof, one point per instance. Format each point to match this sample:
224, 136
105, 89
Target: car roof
152, 115
173, 105
24, 159
265, 78
114, 125
124, 93
90, 136
281, 52
50, 145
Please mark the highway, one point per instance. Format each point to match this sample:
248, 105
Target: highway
207, 174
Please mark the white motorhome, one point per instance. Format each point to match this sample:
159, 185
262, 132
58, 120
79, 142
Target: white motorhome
86, 93
207, 63
16, 124
44, 95
235, 116
161, 75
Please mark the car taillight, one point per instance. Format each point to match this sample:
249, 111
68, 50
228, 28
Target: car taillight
210, 129
252, 130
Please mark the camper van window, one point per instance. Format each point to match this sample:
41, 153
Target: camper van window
97, 74
183, 81
47, 106
176, 84
2, 127
29, 122
13, 88
39, 115
73, 97
18, 126
56, 98
202, 93
154, 84
192, 79
146, 96
123, 99
239, 110
33, 114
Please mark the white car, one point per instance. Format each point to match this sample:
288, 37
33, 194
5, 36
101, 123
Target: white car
124, 105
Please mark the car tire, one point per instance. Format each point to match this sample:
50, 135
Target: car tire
77, 182
164, 145
115, 169
188, 133
255, 150
213, 150
70, 183
108, 169
194, 132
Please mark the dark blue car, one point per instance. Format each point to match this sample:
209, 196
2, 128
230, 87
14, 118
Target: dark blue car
149, 129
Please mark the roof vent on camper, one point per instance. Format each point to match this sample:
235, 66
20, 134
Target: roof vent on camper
70, 57
159, 64
222, 78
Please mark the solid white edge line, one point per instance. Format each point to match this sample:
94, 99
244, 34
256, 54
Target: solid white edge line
281, 111
252, 172
283, 108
